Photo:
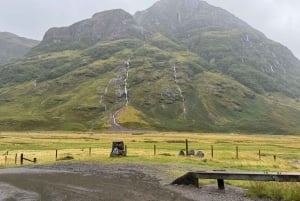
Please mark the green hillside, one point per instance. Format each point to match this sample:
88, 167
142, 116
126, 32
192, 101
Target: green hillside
154, 75
14, 47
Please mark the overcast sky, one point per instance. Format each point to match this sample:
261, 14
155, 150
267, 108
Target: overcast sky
277, 19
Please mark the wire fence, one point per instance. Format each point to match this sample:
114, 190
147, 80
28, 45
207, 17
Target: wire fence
175, 149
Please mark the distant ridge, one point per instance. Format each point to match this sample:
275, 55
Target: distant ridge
14, 47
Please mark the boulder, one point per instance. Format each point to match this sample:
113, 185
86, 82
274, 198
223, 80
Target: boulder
200, 154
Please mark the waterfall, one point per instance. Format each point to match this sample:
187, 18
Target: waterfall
180, 90
127, 66
278, 64
105, 92
175, 74
275, 57
114, 121
183, 100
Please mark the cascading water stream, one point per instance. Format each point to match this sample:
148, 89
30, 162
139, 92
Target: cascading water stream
115, 115
127, 66
105, 91
180, 91
114, 120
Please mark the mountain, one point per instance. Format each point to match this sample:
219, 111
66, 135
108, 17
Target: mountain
107, 25
14, 47
180, 65
229, 44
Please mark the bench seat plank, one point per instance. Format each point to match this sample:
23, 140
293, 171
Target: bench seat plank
191, 178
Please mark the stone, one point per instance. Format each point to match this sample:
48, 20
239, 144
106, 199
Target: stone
200, 154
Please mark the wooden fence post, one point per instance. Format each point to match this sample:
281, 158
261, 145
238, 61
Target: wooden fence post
186, 147
56, 151
275, 157
21, 159
5, 160
90, 151
237, 152
154, 147
212, 151
16, 157
259, 154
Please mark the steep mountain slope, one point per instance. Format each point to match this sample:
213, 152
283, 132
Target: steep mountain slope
180, 65
14, 47
229, 44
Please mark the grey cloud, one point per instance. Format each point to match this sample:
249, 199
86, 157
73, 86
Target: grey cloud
278, 19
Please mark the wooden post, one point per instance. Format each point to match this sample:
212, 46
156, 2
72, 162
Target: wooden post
196, 182
90, 151
212, 151
237, 152
154, 147
56, 151
221, 185
21, 159
186, 147
275, 157
5, 160
16, 157
125, 150
259, 155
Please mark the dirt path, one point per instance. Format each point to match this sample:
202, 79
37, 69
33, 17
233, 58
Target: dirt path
82, 182
89, 182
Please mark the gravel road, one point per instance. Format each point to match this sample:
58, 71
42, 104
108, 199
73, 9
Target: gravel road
89, 182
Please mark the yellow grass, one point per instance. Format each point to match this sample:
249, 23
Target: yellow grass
140, 149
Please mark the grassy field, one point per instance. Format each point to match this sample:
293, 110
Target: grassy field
140, 147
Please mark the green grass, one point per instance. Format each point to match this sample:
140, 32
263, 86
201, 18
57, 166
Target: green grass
61, 90
275, 191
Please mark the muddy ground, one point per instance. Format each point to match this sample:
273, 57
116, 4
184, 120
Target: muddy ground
89, 182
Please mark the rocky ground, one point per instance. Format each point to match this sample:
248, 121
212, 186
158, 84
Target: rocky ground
89, 182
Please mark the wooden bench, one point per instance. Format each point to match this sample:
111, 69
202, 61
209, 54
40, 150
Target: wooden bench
192, 178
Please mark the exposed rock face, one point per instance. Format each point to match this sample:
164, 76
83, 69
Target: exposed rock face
184, 16
103, 26
14, 47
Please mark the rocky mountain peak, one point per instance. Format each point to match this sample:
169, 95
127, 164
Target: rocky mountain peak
103, 26
169, 16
